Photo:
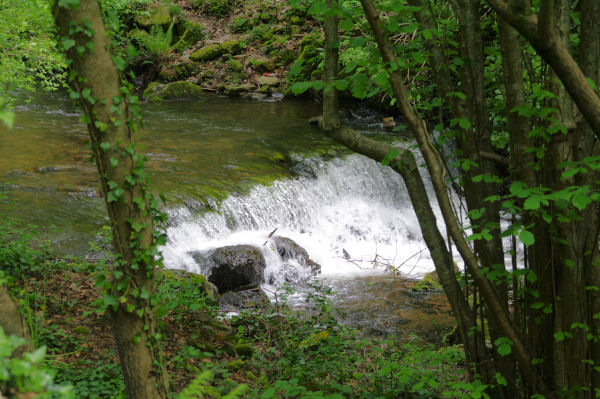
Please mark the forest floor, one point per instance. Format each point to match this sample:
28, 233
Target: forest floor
275, 351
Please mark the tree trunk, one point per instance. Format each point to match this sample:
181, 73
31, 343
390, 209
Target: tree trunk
11, 320
554, 52
95, 76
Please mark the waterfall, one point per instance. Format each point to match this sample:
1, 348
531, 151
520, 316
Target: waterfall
351, 214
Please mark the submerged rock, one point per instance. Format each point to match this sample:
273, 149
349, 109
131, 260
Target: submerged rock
236, 266
172, 91
289, 249
237, 89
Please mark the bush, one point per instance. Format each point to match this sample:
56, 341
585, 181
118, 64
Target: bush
26, 375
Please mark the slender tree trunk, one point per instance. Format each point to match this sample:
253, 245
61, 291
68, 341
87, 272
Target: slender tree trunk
498, 313
96, 78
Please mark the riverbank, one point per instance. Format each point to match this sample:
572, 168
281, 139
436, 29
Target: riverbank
274, 351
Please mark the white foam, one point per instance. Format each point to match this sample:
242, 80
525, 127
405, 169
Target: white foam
353, 208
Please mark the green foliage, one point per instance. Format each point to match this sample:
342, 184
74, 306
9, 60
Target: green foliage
157, 43
216, 8
30, 57
26, 375
311, 355
94, 379
200, 388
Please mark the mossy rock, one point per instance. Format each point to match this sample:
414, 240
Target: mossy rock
237, 89
193, 33
268, 81
430, 282
207, 53
262, 64
179, 90
187, 69
158, 15
204, 287
232, 47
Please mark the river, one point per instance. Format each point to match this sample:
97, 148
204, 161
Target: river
233, 170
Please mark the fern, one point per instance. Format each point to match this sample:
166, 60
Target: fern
200, 388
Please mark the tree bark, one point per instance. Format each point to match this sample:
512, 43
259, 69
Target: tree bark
554, 52
96, 78
11, 320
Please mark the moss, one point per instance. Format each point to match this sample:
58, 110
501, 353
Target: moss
193, 33
262, 64
232, 47
172, 91
158, 15
81, 330
207, 53
235, 365
430, 282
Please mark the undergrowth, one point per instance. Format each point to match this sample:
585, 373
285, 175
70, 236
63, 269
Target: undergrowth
276, 352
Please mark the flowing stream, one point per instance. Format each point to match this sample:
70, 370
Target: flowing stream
233, 171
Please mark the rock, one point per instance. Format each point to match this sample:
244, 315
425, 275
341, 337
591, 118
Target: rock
185, 70
430, 282
172, 91
193, 33
207, 53
250, 297
262, 64
254, 95
236, 266
236, 90
158, 15
289, 249
269, 81
205, 288
232, 47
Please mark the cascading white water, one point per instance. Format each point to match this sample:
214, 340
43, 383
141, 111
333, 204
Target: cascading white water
354, 217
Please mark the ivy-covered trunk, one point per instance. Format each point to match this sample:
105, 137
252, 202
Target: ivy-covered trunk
107, 102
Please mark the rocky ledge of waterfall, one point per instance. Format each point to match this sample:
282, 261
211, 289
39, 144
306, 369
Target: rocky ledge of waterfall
238, 271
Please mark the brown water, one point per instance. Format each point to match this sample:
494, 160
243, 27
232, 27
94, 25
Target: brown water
196, 150
206, 148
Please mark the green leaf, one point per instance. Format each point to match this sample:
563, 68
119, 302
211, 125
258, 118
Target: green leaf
526, 238
67, 43
109, 300
393, 153
8, 118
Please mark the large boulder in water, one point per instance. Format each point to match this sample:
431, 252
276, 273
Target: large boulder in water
179, 90
289, 249
236, 266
